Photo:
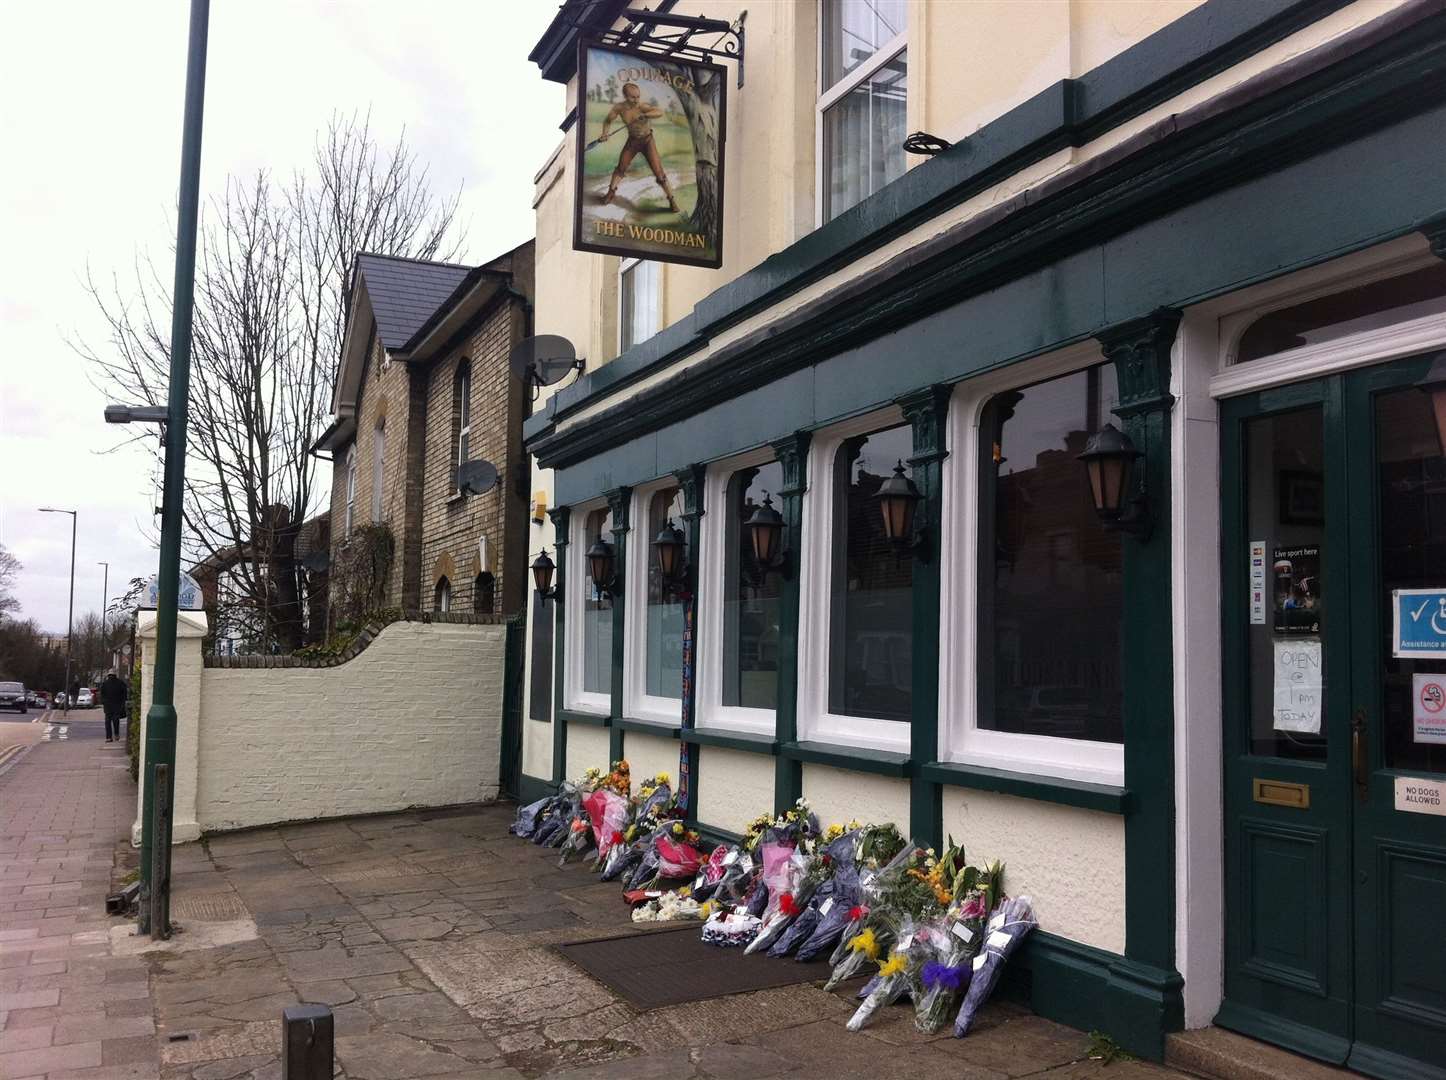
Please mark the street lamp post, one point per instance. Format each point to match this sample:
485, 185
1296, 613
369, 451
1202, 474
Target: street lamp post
69, 611
160, 749
104, 594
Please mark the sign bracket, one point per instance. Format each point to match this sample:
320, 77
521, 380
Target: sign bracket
671, 36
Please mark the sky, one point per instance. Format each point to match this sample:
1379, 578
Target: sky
92, 98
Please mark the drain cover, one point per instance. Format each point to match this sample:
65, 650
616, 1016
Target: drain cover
209, 907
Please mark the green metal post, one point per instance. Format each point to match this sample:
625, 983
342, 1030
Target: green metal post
792, 454
619, 503
160, 746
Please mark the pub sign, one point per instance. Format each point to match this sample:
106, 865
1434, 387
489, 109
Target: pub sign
649, 156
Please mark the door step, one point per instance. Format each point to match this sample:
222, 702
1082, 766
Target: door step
1224, 1055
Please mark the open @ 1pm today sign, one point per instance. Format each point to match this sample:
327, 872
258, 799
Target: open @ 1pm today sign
1418, 623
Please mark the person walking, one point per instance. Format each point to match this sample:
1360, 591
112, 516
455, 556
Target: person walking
113, 695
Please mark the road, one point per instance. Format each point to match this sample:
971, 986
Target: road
20, 731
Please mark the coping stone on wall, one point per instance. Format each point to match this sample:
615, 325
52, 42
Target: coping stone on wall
367, 635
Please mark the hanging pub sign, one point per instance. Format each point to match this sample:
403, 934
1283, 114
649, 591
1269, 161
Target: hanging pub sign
649, 156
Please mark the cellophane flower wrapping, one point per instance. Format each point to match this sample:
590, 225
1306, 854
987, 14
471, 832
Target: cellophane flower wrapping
1006, 929
527, 818
677, 856
784, 867
944, 974
578, 840
896, 973
710, 872
879, 925
608, 812
834, 857
551, 820
730, 930
737, 876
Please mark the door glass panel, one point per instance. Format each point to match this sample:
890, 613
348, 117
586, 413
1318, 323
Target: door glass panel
1412, 484
1285, 512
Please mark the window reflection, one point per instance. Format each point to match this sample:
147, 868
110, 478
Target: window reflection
871, 634
664, 629
597, 613
750, 597
1050, 576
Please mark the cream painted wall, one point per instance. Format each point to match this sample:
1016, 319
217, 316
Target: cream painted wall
649, 755
739, 787
587, 748
1070, 862
837, 795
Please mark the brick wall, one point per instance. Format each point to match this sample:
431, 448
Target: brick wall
414, 720
451, 526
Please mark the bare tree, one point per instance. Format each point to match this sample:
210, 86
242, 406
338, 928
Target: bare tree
701, 109
272, 282
9, 568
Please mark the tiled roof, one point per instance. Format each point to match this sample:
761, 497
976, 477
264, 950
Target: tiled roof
405, 292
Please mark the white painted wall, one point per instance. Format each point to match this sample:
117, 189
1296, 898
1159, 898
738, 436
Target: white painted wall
1070, 862
649, 755
734, 787
838, 796
414, 720
190, 629
587, 748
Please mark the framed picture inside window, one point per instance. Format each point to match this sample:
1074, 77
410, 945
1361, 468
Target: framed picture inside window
1302, 497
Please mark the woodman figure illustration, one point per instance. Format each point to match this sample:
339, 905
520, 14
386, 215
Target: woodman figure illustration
636, 117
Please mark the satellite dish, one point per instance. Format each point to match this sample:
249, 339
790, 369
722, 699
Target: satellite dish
476, 477
317, 561
544, 359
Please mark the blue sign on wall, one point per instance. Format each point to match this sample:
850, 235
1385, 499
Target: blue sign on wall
1418, 623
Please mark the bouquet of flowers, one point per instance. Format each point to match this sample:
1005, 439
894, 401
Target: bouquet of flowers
874, 847
889, 896
554, 816
784, 870
729, 931
650, 813
670, 851
527, 818
835, 852
579, 832
608, 812
1007, 927
946, 976
669, 907
727, 876
897, 973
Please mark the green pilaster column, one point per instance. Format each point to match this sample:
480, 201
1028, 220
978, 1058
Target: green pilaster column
1140, 351
561, 518
620, 501
691, 482
926, 411
792, 454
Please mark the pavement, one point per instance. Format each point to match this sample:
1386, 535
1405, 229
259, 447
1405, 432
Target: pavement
431, 936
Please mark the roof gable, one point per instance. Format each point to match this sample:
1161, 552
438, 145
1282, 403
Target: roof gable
404, 293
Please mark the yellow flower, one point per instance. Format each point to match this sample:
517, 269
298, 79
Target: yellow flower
893, 965
677, 828
865, 942
706, 909
663, 778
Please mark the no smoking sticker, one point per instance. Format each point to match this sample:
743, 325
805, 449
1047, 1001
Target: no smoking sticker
1428, 707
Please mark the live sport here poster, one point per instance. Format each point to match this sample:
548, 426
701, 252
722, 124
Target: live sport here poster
649, 156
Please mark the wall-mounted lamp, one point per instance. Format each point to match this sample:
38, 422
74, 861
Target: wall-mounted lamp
670, 550
898, 500
600, 567
1434, 386
542, 569
765, 535
1109, 459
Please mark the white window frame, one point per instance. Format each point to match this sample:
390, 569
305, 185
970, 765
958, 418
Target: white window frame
815, 722
379, 450
828, 96
961, 739
350, 487
577, 584
638, 704
442, 594
712, 564
655, 300
464, 421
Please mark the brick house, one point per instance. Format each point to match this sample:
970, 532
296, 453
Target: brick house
423, 385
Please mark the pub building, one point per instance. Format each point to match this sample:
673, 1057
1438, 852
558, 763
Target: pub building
1073, 486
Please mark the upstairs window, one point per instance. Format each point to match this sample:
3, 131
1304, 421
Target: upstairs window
350, 488
638, 302
379, 455
461, 418
863, 97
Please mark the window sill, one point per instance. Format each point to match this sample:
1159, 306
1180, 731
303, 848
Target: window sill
573, 716
853, 758
749, 741
648, 727
456, 499
1106, 798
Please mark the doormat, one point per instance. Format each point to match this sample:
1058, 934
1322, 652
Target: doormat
669, 967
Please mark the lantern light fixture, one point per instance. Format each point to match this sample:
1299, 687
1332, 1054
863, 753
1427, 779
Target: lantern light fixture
669, 548
898, 500
601, 567
542, 570
1109, 459
1434, 386
765, 535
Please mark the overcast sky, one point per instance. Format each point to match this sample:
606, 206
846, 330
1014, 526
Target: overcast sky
91, 125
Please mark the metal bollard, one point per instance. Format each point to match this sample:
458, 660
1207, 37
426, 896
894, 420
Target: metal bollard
306, 1042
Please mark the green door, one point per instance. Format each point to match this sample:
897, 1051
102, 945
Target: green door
1334, 502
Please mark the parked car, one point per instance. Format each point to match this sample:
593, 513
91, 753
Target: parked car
85, 699
35, 699
12, 696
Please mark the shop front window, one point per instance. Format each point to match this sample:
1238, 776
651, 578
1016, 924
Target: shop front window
871, 610
1050, 586
597, 611
663, 627
750, 595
